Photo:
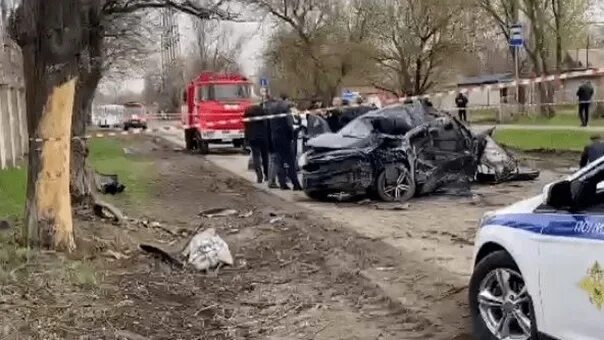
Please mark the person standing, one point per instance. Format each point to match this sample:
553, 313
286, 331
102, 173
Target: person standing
585, 94
461, 101
282, 136
593, 151
257, 138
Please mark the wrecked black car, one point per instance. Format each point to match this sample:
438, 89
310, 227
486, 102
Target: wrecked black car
396, 153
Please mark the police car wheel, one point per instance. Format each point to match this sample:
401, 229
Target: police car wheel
501, 307
401, 190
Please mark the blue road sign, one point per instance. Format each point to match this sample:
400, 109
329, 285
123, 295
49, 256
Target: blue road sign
516, 35
263, 82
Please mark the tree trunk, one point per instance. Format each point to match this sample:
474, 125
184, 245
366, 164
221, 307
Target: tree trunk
49, 33
81, 183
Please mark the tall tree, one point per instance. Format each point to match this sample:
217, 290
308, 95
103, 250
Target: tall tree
60, 39
119, 30
52, 37
414, 39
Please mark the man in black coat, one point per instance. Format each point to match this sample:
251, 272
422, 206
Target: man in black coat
593, 151
258, 140
585, 94
282, 137
462, 102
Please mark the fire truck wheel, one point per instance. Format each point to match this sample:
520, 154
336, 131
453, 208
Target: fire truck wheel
189, 139
203, 146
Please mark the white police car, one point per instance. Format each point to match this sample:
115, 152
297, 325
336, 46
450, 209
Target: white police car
539, 264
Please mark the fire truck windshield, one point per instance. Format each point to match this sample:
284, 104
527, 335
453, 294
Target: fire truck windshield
223, 92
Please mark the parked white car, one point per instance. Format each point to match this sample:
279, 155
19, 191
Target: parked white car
539, 264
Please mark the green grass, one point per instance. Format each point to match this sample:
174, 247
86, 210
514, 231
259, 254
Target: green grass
106, 156
13, 183
565, 116
543, 139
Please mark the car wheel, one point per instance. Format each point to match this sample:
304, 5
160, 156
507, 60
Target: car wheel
318, 195
501, 307
126, 127
402, 190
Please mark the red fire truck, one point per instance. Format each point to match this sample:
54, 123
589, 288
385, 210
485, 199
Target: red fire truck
212, 110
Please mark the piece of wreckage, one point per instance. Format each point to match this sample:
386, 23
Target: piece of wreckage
402, 151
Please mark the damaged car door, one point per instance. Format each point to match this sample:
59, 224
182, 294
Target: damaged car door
444, 156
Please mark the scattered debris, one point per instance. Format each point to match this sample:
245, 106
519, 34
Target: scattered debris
4, 225
384, 269
218, 212
128, 151
365, 201
127, 335
276, 220
116, 255
393, 207
108, 184
207, 250
247, 214
155, 225
162, 254
106, 210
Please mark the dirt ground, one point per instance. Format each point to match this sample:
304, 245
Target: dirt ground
421, 254
300, 277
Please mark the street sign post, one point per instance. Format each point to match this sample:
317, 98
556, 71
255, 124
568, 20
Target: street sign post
516, 42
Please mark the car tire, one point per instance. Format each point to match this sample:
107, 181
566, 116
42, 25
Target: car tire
126, 127
384, 192
318, 195
496, 261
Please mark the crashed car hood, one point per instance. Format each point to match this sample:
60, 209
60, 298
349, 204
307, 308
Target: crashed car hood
334, 141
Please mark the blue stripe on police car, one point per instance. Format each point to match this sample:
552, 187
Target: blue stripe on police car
561, 225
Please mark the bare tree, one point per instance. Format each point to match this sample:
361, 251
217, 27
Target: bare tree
121, 37
318, 45
214, 49
414, 38
62, 43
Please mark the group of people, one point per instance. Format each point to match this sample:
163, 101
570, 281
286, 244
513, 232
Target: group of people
273, 143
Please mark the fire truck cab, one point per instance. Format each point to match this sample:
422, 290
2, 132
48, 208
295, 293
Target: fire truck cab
213, 109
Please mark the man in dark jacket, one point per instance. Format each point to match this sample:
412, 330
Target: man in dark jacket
258, 140
593, 151
282, 137
462, 102
584, 94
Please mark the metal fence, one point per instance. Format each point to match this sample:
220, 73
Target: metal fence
13, 122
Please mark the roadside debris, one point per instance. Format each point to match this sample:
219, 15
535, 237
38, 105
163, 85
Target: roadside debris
247, 214
108, 184
4, 225
218, 212
393, 207
207, 250
276, 220
162, 255
127, 335
108, 211
116, 255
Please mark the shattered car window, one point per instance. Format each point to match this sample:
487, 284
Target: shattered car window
358, 128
